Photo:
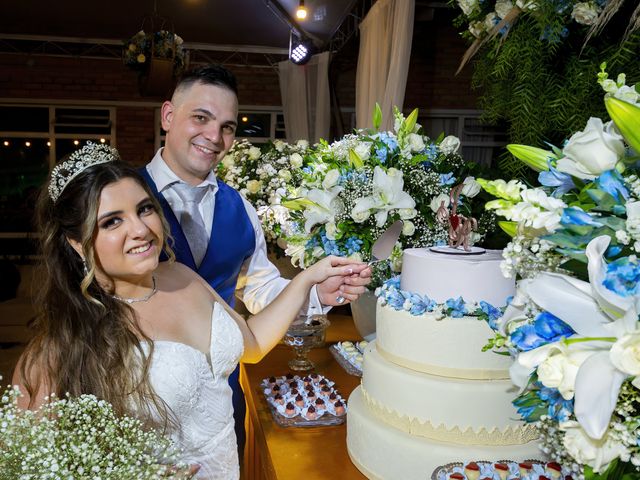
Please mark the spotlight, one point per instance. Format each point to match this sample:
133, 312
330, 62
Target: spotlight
301, 11
300, 49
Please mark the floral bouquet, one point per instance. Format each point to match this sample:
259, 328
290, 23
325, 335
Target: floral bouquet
264, 177
140, 48
573, 325
483, 17
353, 189
80, 438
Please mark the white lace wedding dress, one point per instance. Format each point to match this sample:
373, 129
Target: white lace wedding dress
195, 386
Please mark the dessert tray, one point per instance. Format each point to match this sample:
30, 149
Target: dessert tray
349, 356
502, 470
307, 401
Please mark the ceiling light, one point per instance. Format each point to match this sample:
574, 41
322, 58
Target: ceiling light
27, 144
102, 140
245, 119
76, 143
300, 49
5, 143
301, 11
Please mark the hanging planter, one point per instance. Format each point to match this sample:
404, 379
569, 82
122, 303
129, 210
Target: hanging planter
158, 57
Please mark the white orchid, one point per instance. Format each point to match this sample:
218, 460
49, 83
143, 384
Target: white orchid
387, 195
600, 319
325, 204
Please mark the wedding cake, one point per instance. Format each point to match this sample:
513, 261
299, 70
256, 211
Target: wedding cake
429, 395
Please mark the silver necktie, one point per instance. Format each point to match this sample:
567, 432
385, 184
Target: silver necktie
191, 220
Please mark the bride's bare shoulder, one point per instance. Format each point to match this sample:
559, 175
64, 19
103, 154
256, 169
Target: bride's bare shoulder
177, 274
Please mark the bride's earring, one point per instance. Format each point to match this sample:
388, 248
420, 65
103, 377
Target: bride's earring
85, 270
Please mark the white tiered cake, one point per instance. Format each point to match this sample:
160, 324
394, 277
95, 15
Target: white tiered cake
429, 395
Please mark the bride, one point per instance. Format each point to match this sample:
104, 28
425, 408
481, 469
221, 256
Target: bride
151, 338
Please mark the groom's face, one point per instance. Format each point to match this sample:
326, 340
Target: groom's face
200, 121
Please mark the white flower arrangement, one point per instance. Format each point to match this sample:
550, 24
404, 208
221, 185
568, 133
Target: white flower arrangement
80, 438
574, 324
351, 190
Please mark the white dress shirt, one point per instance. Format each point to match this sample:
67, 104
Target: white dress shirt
259, 281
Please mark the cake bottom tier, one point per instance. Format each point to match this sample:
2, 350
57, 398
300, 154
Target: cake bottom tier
382, 452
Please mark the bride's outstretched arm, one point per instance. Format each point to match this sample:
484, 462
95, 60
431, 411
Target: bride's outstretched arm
264, 330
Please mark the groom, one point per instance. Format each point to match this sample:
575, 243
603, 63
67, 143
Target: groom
217, 233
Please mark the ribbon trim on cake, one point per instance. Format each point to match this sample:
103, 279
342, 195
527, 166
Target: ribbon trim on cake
391, 294
442, 371
515, 435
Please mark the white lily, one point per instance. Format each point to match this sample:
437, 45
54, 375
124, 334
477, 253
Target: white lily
324, 208
599, 317
387, 195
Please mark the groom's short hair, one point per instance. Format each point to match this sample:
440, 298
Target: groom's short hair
210, 74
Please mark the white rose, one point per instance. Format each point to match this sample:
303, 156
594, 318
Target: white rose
598, 454
331, 179
443, 198
279, 144
416, 143
228, 161
406, 213
592, 151
330, 229
527, 4
491, 20
284, 174
356, 257
254, 153
503, 7
470, 188
360, 217
585, 13
302, 143
625, 354
296, 160
476, 28
408, 228
468, 6
559, 371
363, 149
450, 144
254, 186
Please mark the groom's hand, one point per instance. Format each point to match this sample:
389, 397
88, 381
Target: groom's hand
339, 290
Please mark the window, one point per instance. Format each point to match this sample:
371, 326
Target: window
33, 138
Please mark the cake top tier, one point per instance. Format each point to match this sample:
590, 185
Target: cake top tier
442, 276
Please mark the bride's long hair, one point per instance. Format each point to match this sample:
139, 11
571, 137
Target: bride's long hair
87, 342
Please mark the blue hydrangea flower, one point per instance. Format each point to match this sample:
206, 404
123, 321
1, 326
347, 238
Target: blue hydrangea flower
623, 277
431, 151
457, 307
559, 409
447, 179
556, 178
492, 312
577, 216
353, 245
546, 328
611, 182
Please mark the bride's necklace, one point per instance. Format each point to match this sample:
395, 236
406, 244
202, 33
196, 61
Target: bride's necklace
153, 291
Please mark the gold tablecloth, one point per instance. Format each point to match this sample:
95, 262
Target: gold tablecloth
310, 453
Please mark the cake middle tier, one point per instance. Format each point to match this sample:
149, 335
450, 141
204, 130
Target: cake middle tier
462, 411
448, 347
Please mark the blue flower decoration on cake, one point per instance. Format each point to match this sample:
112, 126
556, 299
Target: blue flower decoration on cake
392, 295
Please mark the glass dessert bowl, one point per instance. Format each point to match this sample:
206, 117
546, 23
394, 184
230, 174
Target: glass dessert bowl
305, 333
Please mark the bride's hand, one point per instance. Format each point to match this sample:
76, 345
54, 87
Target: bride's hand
332, 266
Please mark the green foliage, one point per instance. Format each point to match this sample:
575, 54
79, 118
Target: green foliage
545, 89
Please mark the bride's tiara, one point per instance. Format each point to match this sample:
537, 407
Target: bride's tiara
89, 155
